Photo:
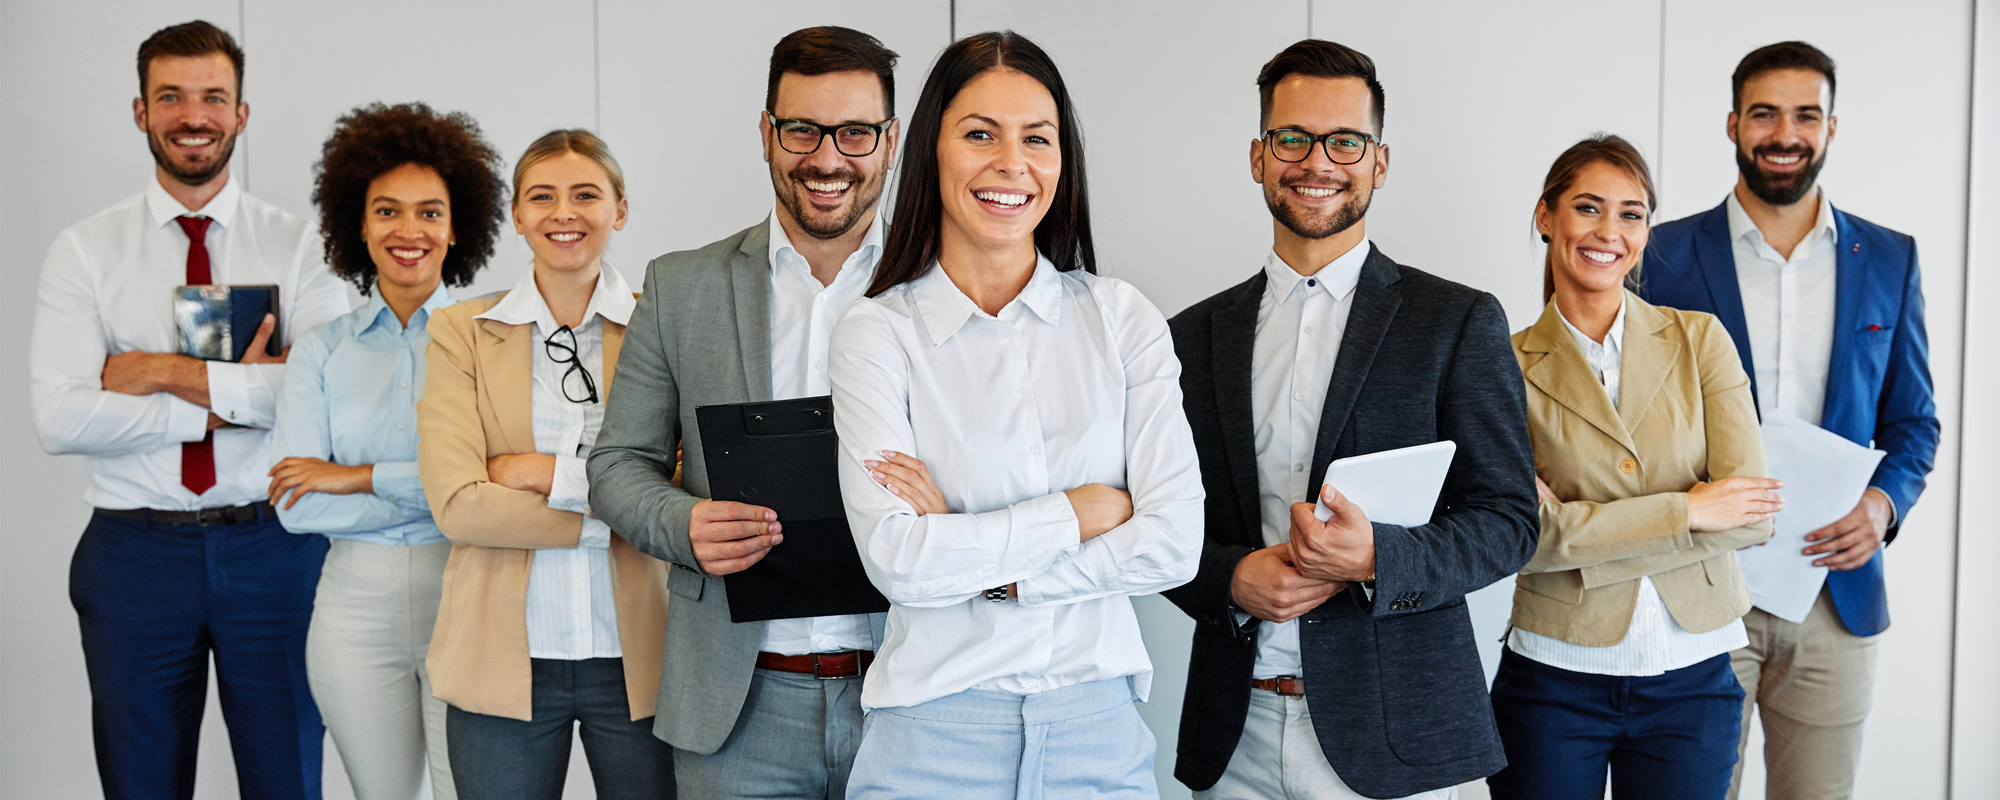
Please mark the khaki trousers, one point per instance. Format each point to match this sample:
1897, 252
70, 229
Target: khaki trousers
1813, 683
1279, 758
371, 628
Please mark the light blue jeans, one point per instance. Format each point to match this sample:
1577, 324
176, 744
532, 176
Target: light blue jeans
1085, 740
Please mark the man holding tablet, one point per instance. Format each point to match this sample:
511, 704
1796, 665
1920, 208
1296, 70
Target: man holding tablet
1345, 633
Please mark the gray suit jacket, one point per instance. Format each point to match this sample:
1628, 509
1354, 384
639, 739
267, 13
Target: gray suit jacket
700, 336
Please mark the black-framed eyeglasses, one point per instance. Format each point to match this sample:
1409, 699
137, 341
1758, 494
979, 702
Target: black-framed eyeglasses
1342, 147
565, 353
852, 139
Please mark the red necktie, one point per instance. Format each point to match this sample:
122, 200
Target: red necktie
197, 458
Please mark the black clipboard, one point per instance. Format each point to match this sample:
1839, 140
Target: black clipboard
781, 455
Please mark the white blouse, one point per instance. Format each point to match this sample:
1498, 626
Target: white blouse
1074, 382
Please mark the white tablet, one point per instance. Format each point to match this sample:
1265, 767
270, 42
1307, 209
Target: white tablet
1399, 487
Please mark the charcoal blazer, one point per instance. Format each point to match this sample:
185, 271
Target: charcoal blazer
1397, 692
1878, 385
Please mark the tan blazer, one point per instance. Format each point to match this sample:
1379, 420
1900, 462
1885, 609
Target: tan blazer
478, 403
1685, 415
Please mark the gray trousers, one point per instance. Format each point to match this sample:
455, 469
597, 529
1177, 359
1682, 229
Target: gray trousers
371, 627
795, 738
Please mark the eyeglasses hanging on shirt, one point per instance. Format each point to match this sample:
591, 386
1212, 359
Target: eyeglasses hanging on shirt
565, 353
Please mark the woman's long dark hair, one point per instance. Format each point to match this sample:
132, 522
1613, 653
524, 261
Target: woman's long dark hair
916, 227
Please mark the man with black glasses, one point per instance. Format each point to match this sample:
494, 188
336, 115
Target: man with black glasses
754, 709
1335, 659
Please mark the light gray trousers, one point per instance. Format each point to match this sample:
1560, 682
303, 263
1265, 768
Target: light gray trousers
371, 628
795, 738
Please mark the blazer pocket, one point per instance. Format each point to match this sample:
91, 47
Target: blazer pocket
1562, 587
1434, 704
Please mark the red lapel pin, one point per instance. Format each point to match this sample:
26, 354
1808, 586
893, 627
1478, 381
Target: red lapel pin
1874, 327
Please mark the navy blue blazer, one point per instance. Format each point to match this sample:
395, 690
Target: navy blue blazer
1878, 388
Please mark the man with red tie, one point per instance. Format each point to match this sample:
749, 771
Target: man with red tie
182, 557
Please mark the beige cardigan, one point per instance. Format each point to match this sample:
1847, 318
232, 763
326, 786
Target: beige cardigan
1685, 415
478, 404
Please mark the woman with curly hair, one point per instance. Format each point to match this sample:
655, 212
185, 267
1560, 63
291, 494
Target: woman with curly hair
409, 202
548, 621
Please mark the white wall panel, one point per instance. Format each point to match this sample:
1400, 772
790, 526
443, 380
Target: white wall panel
1975, 773
68, 150
519, 67
683, 86
1899, 159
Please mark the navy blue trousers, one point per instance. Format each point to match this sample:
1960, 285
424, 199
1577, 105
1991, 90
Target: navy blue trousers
1670, 736
154, 602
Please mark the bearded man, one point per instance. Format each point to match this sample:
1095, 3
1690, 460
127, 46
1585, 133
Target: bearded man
183, 559
1827, 312
1335, 659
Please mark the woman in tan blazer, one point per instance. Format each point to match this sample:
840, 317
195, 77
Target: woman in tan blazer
548, 619
1651, 473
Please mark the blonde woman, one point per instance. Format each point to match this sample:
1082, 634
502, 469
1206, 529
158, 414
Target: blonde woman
548, 620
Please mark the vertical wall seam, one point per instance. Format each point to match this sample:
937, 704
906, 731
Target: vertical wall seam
242, 38
951, 20
1964, 398
1309, 19
1660, 114
596, 71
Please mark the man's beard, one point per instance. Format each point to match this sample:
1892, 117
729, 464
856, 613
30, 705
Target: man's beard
797, 201
192, 176
1341, 219
1779, 190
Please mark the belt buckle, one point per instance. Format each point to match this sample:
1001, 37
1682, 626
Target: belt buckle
212, 516
819, 675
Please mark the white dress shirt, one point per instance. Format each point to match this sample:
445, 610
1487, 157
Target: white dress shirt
802, 316
1300, 323
1073, 382
1788, 308
571, 613
1654, 643
106, 288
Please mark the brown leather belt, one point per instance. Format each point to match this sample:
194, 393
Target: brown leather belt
232, 515
824, 666
1286, 685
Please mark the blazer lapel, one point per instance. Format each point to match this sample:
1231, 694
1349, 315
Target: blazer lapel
1375, 304
750, 287
1649, 356
1564, 375
1233, 336
507, 377
1717, 257
1850, 294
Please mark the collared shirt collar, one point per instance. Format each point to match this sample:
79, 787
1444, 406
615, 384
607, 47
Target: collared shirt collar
377, 310
1336, 278
221, 208
870, 250
945, 309
1613, 339
1740, 224
612, 300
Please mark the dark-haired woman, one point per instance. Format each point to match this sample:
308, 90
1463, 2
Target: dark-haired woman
1651, 473
1015, 460
409, 202
549, 622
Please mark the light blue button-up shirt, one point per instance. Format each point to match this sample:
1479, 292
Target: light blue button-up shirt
350, 397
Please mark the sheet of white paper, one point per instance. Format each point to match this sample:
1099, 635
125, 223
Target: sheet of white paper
1824, 477
1399, 486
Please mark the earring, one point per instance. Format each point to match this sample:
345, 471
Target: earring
1545, 238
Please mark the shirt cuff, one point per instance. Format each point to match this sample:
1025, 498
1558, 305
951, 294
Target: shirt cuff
229, 392
186, 422
595, 534
1045, 530
570, 489
397, 482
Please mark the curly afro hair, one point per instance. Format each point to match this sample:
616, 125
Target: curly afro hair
377, 138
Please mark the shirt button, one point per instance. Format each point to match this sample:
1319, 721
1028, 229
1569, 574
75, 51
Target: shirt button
1010, 337
1298, 395
1035, 448
819, 299
399, 427
1023, 391
1628, 466
1298, 467
1309, 330
819, 364
403, 384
